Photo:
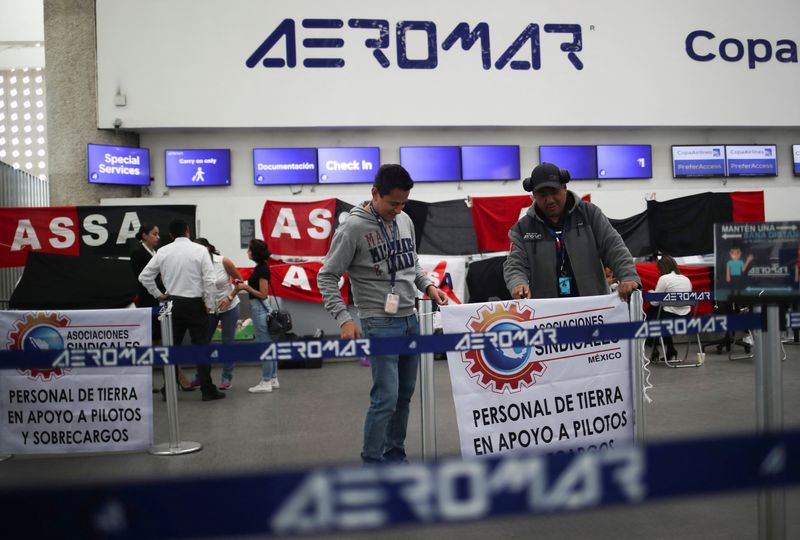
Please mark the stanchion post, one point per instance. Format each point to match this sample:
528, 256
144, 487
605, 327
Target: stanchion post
636, 307
760, 365
175, 446
769, 412
426, 390
774, 371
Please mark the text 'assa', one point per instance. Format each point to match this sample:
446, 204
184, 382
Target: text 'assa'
426, 31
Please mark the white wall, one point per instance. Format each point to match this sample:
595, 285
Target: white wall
634, 67
221, 208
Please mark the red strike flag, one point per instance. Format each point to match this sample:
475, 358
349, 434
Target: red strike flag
298, 228
50, 230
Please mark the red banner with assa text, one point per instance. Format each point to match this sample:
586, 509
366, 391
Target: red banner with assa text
101, 231
302, 229
51, 229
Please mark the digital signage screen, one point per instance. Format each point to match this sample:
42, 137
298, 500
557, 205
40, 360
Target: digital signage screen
696, 161
118, 165
580, 161
490, 162
351, 165
752, 160
278, 166
431, 163
624, 161
197, 167
796, 158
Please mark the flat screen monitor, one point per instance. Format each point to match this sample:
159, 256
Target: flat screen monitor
696, 161
490, 162
796, 159
752, 160
278, 166
431, 163
348, 165
580, 161
197, 167
624, 161
118, 165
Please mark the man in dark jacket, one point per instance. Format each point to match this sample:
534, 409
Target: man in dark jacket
562, 244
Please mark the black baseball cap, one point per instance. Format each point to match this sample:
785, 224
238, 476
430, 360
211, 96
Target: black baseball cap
545, 175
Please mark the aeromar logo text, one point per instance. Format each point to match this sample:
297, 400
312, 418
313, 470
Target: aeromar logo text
388, 44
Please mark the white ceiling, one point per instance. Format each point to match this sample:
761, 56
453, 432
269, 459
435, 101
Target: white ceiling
21, 27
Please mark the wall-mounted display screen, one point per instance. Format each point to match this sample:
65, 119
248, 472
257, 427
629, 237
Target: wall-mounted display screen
796, 158
490, 162
431, 163
580, 161
348, 165
752, 160
624, 161
118, 165
197, 167
276, 166
698, 161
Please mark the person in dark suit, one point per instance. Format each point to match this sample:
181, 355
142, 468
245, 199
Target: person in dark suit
148, 241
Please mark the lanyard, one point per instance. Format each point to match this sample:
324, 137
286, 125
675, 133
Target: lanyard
391, 245
561, 249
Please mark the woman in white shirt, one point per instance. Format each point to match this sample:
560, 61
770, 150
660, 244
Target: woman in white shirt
227, 302
671, 280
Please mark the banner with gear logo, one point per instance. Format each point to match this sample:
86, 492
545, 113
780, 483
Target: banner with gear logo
98, 409
544, 398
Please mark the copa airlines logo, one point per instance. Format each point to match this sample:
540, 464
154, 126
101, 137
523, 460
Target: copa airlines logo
705, 46
498, 369
378, 33
38, 331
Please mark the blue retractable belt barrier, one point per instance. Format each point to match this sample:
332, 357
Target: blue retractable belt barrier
343, 499
688, 296
339, 348
793, 319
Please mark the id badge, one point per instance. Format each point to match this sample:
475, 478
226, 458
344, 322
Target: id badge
564, 287
392, 303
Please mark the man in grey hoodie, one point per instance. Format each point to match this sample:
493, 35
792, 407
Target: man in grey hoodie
377, 249
562, 244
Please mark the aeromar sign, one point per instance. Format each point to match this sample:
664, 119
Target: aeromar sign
378, 41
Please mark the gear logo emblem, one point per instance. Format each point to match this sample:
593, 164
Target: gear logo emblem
38, 331
501, 370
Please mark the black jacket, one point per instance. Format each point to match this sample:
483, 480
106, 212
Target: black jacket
139, 259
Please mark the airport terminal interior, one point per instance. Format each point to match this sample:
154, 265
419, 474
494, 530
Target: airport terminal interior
266, 119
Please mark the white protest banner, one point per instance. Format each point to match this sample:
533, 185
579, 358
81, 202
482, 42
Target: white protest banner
447, 273
564, 397
75, 410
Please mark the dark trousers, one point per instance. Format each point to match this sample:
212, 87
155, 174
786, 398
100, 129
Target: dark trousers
191, 314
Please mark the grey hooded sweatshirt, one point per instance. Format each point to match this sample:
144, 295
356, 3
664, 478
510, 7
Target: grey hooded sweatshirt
360, 249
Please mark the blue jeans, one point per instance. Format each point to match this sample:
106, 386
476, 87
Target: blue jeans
228, 319
393, 380
259, 313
